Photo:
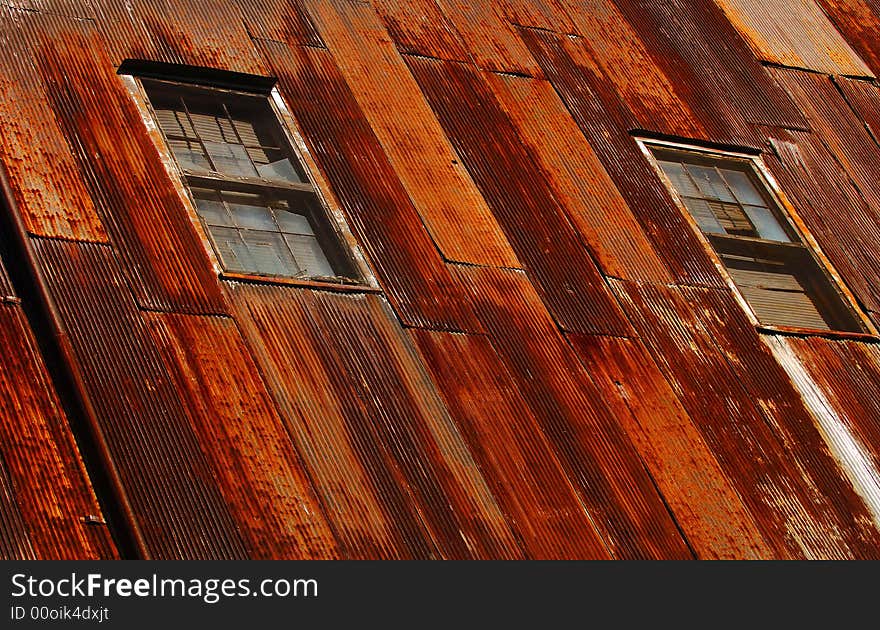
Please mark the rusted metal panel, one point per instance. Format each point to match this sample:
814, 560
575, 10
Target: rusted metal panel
281, 20
604, 120
523, 470
239, 429
839, 128
449, 203
753, 420
838, 382
391, 467
706, 504
547, 14
375, 202
167, 479
864, 99
794, 33
419, 27
611, 50
595, 451
859, 22
6, 290
44, 480
814, 181
164, 259
699, 48
210, 34
580, 183
14, 541
491, 41
521, 199
49, 189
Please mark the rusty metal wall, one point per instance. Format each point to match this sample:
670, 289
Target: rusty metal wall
552, 365
45, 493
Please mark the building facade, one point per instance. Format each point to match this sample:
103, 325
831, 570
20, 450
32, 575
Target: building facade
447, 279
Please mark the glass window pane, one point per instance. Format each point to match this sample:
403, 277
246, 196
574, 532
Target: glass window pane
703, 215
231, 159
270, 253
279, 170
680, 179
293, 223
733, 219
250, 211
743, 188
189, 155
234, 254
767, 225
309, 255
710, 183
210, 208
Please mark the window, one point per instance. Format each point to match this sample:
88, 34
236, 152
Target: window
775, 272
252, 194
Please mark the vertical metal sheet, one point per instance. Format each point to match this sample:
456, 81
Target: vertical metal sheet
490, 39
794, 33
449, 203
345, 147
419, 27
816, 182
739, 401
507, 441
281, 20
391, 468
48, 491
859, 22
6, 290
239, 429
14, 541
598, 456
164, 259
697, 47
210, 34
169, 483
864, 99
704, 501
522, 200
580, 183
604, 120
49, 189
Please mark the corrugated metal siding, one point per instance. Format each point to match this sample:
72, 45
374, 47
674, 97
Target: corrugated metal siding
419, 27
524, 472
589, 441
407, 264
759, 431
43, 474
859, 22
705, 502
392, 469
164, 259
794, 33
148, 430
282, 20
49, 189
580, 183
532, 218
604, 121
449, 203
815, 182
211, 34
492, 43
864, 99
6, 290
14, 541
239, 429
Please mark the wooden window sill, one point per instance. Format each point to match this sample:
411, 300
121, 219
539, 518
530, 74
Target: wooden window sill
811, 332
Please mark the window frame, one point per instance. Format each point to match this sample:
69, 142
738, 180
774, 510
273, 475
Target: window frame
330, 209
770, 190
